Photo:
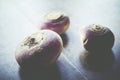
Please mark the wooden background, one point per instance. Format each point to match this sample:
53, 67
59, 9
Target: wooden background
19, 18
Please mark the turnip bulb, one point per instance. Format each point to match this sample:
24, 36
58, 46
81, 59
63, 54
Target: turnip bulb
56, 21
97, 38
42, 48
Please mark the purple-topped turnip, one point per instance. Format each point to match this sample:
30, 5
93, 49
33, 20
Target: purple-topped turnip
42, 48
55, 21
97, 38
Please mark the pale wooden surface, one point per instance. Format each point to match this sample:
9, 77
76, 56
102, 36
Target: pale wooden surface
19, 18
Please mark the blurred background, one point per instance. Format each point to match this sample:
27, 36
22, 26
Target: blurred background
20, 18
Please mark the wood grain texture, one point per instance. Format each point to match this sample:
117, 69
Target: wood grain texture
19, 18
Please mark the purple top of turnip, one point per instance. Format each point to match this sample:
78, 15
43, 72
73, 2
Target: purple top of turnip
42, 47
56, 21
97, 37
